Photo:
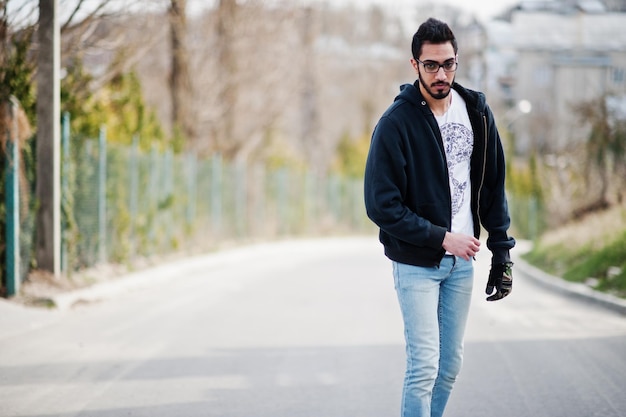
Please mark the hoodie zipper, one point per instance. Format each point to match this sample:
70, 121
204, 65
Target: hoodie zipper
484, 168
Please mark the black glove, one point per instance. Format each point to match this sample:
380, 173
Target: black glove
500, 278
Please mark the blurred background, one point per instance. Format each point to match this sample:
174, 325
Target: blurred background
190, 125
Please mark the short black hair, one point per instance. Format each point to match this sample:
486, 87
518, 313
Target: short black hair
432, 31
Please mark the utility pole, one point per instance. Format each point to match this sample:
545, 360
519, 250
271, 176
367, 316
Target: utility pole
48, 191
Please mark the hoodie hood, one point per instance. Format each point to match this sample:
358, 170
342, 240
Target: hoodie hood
410, 93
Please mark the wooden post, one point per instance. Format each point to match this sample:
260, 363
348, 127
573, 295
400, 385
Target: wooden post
48, 190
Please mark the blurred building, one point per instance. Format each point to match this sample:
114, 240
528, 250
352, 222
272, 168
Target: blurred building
555, 55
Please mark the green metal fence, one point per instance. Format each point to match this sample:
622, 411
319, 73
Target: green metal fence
121, 204
125, 204
527, 217
16, 202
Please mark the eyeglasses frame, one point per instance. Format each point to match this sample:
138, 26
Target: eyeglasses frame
456, 65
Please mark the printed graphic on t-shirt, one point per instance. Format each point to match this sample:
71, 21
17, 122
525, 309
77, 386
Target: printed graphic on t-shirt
458, 142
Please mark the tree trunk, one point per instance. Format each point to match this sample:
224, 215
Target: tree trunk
309, 133
180, 81
227, 70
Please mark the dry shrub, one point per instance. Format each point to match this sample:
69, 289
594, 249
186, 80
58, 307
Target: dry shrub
14, 122
594, 230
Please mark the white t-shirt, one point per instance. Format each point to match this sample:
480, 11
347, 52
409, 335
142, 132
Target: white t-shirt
458, 141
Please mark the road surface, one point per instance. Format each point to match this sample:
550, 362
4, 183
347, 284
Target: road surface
300, 328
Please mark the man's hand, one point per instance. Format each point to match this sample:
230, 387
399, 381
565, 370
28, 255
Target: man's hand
461, 245
500, 278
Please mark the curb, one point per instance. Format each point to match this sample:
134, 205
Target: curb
576, 290
166, 273
155, 275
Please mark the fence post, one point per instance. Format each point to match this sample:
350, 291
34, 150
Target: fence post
309, 201
334, 197
532, 218
102, 195
282, 199
241, 199
65, 187
357, 204
134, 192
12, 201
258, 213
153, 198
216, 195
192, 186
168, 188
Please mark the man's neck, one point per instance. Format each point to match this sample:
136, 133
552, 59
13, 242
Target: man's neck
438, 106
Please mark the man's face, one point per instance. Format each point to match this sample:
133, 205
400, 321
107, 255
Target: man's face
436, 84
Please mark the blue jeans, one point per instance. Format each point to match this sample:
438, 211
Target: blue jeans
435, 304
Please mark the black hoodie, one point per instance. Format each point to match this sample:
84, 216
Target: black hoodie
407, 191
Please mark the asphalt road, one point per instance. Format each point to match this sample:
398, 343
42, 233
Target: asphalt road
300, 328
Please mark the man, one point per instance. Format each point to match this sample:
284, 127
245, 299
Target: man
434, 175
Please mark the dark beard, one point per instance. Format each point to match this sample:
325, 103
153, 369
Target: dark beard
434, 94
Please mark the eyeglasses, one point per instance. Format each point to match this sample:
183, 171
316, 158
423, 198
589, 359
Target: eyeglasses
432, 66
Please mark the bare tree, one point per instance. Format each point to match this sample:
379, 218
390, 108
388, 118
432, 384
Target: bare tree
180, 82
309, 89
244, 63
605, 149
111, 35
226, 71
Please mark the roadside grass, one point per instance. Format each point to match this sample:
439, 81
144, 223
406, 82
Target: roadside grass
591, 251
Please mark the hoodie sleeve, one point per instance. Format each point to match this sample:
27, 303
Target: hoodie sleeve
385, 187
